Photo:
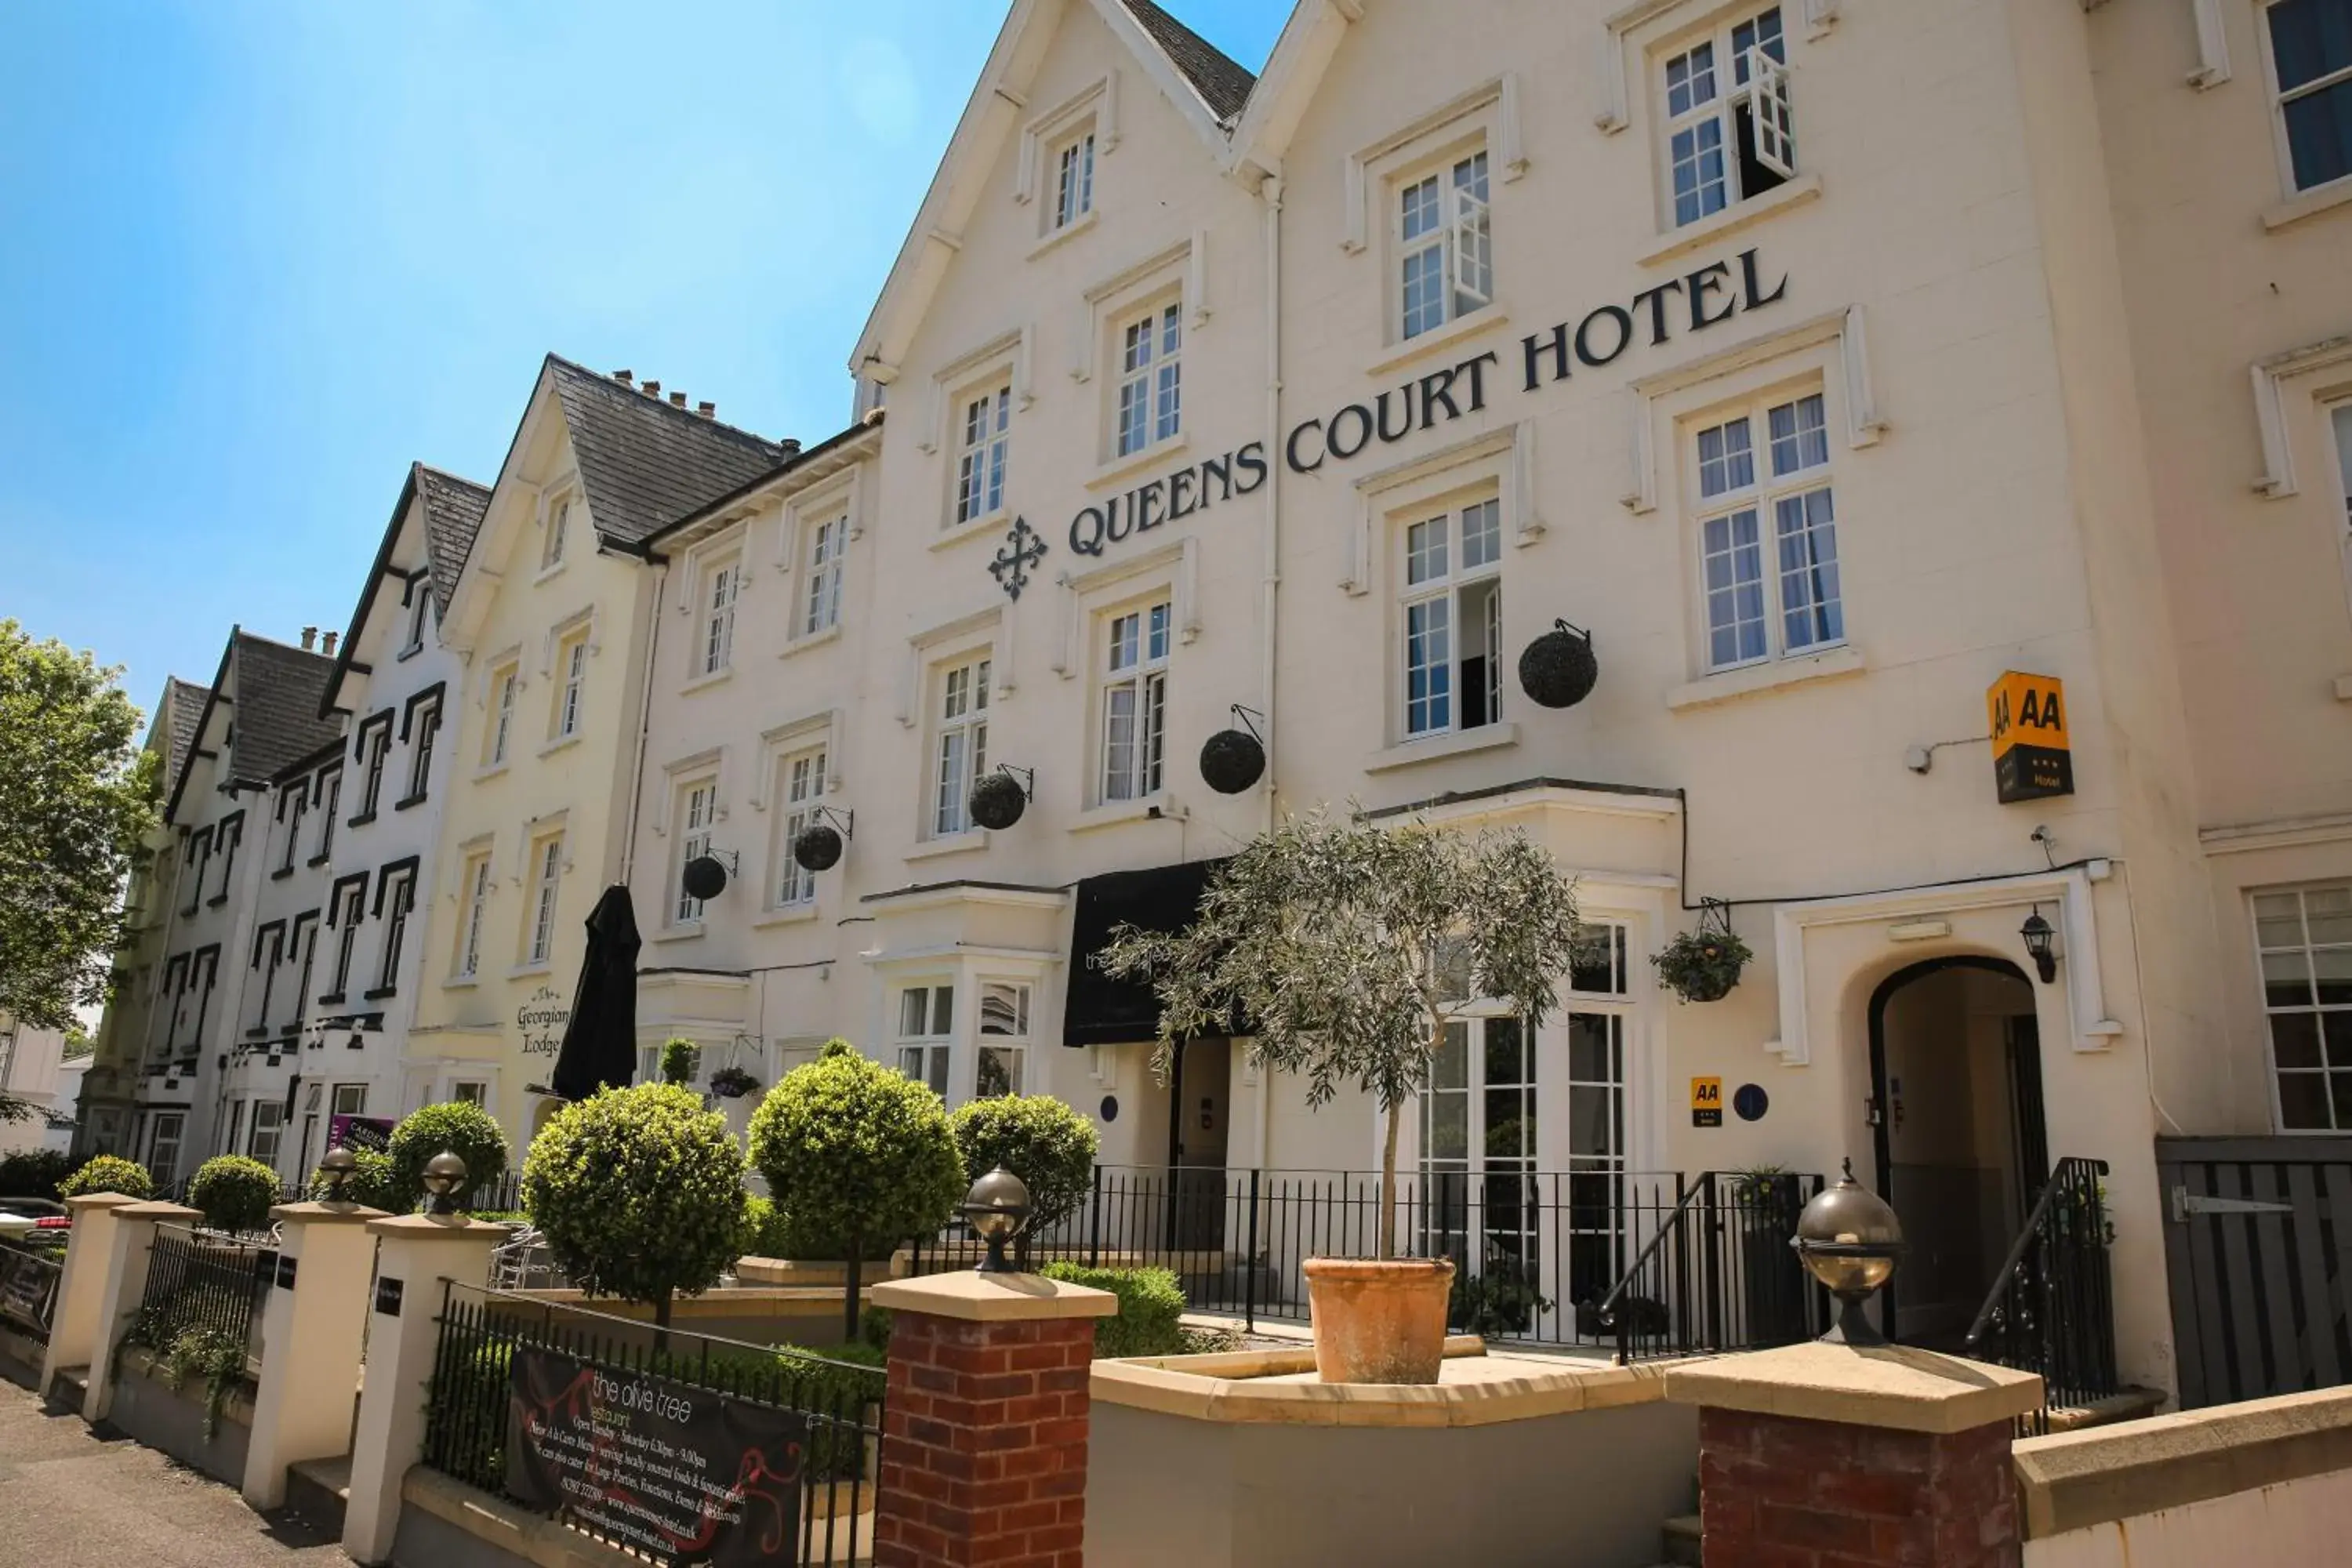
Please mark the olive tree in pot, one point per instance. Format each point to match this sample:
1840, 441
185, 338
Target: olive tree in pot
1344, 951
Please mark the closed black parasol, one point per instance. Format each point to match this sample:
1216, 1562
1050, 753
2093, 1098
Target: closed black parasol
600, 1041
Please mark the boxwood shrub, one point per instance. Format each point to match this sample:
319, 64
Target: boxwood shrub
371, 1185
466, 1131
1040, 1139
1150, 1307
235, 1192
110, 1174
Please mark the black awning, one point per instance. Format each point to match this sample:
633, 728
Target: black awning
1101, 1010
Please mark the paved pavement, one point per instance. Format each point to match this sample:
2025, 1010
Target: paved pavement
71, 1499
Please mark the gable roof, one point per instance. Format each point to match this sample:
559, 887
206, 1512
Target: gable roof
276, 717
453, 513
645, 463
1220, 80
183, 709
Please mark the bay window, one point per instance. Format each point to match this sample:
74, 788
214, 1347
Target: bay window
925, 1035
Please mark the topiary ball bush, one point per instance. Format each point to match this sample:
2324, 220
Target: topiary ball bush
1040, 1139
110, 1174
681, 1060
372, 1183
639, 1194
34, 1173
462, 1129
855, 1153
235, 1192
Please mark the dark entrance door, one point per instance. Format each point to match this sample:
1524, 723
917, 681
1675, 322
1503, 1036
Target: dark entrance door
1197, 1106
1956, 1121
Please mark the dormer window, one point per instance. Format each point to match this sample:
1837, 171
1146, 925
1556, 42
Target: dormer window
1074, 179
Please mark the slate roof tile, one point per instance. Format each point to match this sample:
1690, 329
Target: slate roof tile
278, 693
1221, 80
183, 710
453, 514
645, 463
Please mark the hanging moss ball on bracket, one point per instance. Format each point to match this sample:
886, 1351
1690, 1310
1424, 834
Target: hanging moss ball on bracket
998, 801
1231, 761
704, 877
1558, 669
818, 849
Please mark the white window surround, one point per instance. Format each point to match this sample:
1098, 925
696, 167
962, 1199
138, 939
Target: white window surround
2078, 964
2212, 45
1124, 292
988, 631
801, 787
555, 547
1033, 177
803, 515
1503, 458
694, 808
1129, 729
1489, 111
1173, 568
823, 727
1009, 356
2287, 396
591, 617
1848, 378
1627, 32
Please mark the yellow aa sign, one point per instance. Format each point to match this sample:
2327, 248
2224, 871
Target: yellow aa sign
2032, 757
1706, 1102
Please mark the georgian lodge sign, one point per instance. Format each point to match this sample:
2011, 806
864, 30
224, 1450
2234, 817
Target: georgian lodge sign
1690, 303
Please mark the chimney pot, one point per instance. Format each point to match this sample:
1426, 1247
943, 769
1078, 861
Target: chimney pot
624, 378
677, 400
309, 638
791, 444
708, 410
327, 644
652, 388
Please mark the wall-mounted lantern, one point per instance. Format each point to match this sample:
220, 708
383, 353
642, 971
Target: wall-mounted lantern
2039, 935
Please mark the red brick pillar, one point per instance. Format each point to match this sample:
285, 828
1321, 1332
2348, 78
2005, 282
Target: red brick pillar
1825, 1456
984, 1421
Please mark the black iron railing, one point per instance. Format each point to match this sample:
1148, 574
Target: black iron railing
200, 1280
469, 1406
1716, 1272
2052, 1310
30, 1276
1534, 1253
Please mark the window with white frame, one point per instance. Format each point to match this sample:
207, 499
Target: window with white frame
2304, 941
203, 977
1446, 246
268, 1122
503, 683
800, 778
2340, 417
2311, 66
546, 878
715, 649
698, 806
330, 790
827, 542
469, 1091
1150, 379
1134, 702
351, 1099
196, 858
1074, 179
960, 744
426, 727
925, 1034
269, 953
306, 941
1004, 1038
163, 1146
351, 906
1767, 533
572, 682
232, 833
375, 745
559, 523
1450, 617
474, 896
419, 595
1730, 132
400, 899
1597, 964
980, 439
293, 802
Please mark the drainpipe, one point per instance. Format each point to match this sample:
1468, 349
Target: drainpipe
1269, 191
645, 723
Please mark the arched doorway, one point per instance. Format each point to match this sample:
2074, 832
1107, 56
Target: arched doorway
1957, 1121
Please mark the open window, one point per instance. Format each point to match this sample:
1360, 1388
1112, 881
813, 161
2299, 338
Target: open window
1730, 122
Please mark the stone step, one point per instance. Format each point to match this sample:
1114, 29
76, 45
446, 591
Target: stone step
317, 1491
1679, 1538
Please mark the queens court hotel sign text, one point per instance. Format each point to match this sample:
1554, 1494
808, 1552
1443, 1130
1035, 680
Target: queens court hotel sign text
1693, 302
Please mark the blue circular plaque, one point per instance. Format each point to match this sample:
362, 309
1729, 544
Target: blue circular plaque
1111, 1108
1752, 1102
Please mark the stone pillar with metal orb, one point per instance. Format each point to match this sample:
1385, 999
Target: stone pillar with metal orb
123, 1289
1850, 1240
314, 1324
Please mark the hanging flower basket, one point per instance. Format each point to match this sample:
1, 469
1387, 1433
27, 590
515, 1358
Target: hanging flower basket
732, 1083
1704, 965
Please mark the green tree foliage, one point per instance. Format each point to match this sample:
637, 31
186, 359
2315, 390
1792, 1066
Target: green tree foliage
235, 1192
858, 1157
680, 1057
108, 1173
77, 795
465, 1130
1150, 1308
372, 1183
34, 1173
1347, 949
639, 1193
1037, 1138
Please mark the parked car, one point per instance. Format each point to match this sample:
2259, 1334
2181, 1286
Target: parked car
24, 1217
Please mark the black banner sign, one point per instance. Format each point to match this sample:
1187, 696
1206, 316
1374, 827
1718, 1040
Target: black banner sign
681, 1473
28, 1288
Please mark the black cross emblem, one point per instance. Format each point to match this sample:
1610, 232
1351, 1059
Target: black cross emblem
1022, 548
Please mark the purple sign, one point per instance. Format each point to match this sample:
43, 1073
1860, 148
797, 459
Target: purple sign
359, 1133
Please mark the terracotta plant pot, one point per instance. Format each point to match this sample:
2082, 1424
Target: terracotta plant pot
1379, 1320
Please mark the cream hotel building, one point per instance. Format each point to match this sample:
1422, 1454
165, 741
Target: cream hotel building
1824, 361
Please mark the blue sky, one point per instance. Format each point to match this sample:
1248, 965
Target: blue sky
255, 258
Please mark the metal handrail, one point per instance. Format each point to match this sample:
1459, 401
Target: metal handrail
1607, 1311
2026, 1237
